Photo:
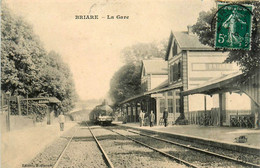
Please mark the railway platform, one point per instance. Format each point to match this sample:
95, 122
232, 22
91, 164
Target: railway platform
218, 136
20, 146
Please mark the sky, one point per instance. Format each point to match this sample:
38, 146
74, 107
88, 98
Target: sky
92, 48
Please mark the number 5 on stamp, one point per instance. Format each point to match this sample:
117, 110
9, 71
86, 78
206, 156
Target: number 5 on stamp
233, 27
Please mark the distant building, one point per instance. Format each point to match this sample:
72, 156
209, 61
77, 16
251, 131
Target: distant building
154, 72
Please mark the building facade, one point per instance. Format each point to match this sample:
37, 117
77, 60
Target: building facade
189, 64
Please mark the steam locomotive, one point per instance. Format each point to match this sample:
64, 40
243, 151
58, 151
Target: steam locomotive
102, 114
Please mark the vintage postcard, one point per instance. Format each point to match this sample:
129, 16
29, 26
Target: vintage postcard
130, 83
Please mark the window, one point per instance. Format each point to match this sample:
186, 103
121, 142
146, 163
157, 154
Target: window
129, 111
174, 49
169, 93
170, 105
162, 105
144, 86
176, 71
177, 92
178, 105
179, 70
171, 72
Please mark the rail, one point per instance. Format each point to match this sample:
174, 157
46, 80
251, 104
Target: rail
108, 161
201, 150
159, 151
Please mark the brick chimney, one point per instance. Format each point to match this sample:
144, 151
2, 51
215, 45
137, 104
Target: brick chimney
190, 30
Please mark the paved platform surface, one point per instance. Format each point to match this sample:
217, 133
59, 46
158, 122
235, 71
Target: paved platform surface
20, 146
220, 134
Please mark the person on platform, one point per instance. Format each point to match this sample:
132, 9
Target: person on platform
141, 118
61, 121
165, 116
152, 117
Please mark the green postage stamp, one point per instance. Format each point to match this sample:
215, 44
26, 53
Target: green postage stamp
233, 27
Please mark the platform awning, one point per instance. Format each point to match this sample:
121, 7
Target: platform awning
132, 98
162, 88
44, 100
224, 83
54, 100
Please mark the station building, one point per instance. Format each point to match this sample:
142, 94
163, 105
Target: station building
190, 65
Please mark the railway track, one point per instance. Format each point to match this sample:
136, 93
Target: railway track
126, 153
159, 151
108, 161
105, 157
202, 151
63, 151
212, 154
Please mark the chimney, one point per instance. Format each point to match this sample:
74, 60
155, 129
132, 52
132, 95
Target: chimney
190, 30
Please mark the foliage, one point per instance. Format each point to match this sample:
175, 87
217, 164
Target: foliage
126, 82
140, 51
56, 81
21, 52
26, 68
203, 27
37, 111
248, 60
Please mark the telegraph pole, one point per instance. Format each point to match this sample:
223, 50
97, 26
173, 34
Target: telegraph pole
8, 94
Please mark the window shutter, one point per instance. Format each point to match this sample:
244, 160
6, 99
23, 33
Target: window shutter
181, 70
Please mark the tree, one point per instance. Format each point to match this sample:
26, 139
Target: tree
56, 80
26, 68
140, 51
21, 53
126, 82
249, 61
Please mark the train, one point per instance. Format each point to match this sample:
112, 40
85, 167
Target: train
102, 114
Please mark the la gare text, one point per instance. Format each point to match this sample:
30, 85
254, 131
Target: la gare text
90, 17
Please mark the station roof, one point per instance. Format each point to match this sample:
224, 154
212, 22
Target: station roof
216, 85
132, 98
186, 41
155, 66
164, 88
189, 41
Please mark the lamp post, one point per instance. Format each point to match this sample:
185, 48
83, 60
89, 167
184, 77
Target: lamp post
8, 94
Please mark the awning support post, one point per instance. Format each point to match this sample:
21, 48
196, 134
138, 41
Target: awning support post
205, 110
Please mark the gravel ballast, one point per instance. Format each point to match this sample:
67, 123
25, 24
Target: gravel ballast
125, 153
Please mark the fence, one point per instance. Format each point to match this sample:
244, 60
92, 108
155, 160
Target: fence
17, 110
240, 118
209, 117
234, 118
